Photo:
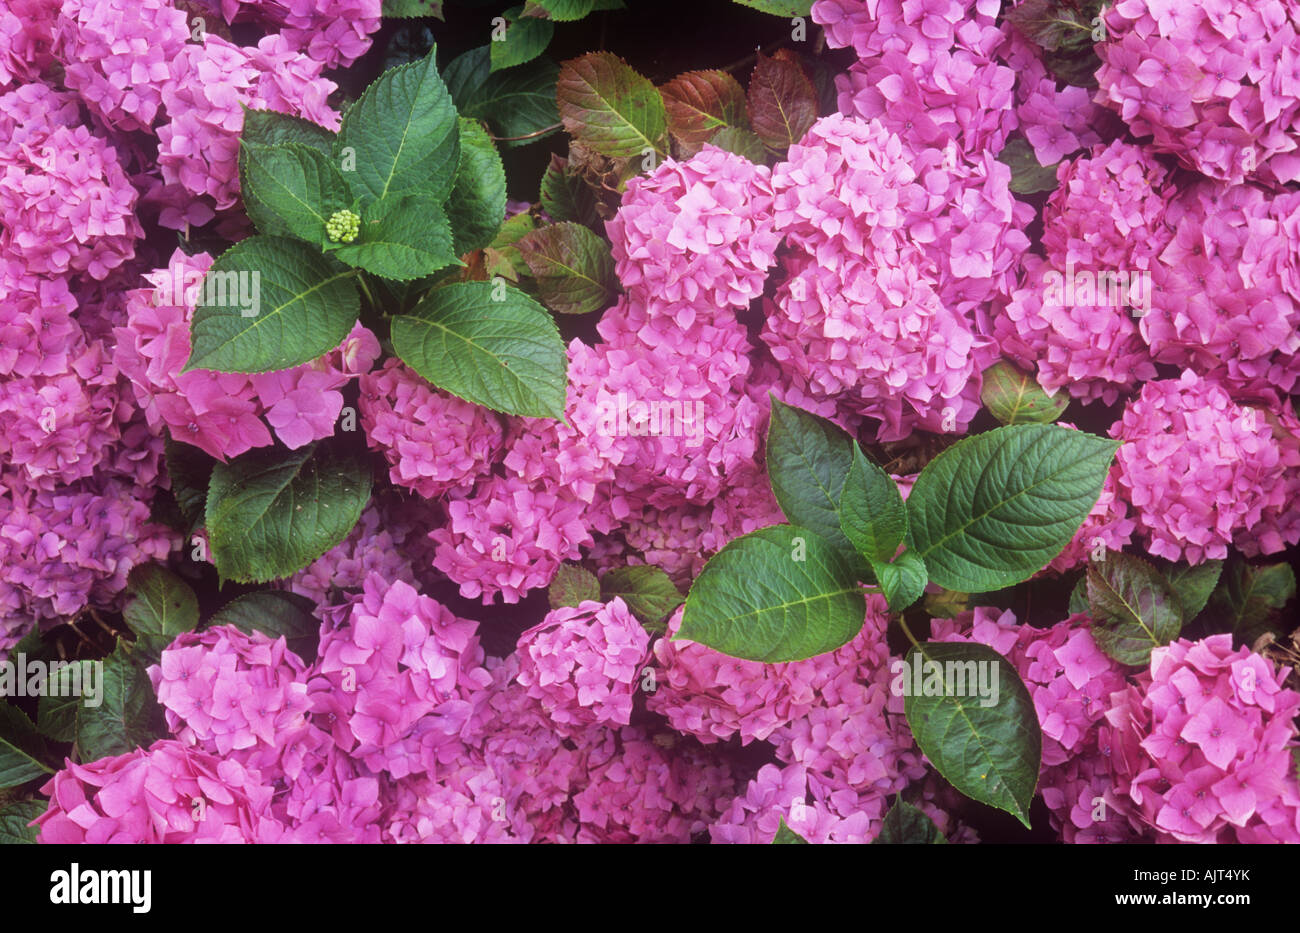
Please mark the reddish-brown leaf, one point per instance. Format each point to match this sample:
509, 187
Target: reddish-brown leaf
702, 102
782, 101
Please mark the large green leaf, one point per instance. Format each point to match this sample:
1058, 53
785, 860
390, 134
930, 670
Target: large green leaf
561, 10
781, 593
1192, 586
271, 128
902, 580
128, 718
1248, 600
786, 8
14, 818
990, 753
505, 354
409, 9
68, 688
787, 836
1132, 607
994, 509
272, 512
160, 602
609, 107
403, 238
403, 134
565, 196
188, 470
275, 613
1013, 397
904, 824
291, 189
871, 510
808, 462
517, 102
525, 38
572, 586
304, 304
22, 749
573, 268
477, 205
1028, 176
649, 593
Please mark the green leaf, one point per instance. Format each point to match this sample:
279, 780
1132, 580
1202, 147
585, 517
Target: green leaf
291, 189
67, 690
808, 462
189, 470
1132, 607
270, 128
782, 101
275, 613
506, 355
561, 10
989, 753
902, 580
946, 604
304, 304
610, 108
566, 197
403, 133
477, 205
785, 8
699, 103
404, 238
160, 603
649, 593
127, 719
573, 267
21, 748
993, 509
1249, 598
1028, 176
526, 37
1079, 597
1013, 397
781, 593
408, 9
572, 585
1192, 586
742, 142
871, 512
272, 512
787, 836
14, 818
904, 824
517, 102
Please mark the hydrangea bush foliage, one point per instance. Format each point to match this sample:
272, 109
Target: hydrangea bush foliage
425, 440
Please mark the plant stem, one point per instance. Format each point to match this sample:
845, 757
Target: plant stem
542, 132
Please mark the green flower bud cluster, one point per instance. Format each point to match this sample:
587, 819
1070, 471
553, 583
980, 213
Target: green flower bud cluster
343, 227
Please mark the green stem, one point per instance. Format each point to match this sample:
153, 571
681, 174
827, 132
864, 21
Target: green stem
908, 632
365, 289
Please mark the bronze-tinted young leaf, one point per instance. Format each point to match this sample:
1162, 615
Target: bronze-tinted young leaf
573, 268
1013, 397
702, 102
1132, 607
782, 101
605, 104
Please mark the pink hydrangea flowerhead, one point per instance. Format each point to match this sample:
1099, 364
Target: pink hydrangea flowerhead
116, 54
434, 442
393, 682
229, 692
699, 231
156, 795
1201, 746
582, 663
1201, 471
1212, 83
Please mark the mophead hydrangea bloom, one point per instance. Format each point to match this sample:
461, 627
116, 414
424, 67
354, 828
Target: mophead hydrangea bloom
1212, 83
117, 55
583, 663
699, 232
1201, 747
1202, 471
434, 442
226, 691
333, 32
166, 793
